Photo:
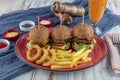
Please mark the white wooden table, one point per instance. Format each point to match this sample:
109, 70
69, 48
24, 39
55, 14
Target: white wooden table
101, 71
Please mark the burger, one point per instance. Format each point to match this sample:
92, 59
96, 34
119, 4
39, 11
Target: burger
83, 36
61, 37
39, 35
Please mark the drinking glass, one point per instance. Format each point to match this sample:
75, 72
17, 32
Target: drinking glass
96, 10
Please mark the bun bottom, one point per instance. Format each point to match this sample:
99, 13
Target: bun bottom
64, 47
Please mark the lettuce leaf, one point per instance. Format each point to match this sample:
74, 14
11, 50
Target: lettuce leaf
81, 46
29, 44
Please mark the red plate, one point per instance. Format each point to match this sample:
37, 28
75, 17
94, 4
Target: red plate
97, 54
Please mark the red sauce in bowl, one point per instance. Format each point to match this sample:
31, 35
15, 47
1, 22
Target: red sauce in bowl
2, 45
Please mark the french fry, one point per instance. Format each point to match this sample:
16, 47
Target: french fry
48, 48
60, 56
64, 52
65, 55
60, 66
52, 52
63, 59
83, 61
88, 59
79, 52
76, 58
69, 51
75, 64
63, 63
48, 58
48, 63
85, 57
43, 58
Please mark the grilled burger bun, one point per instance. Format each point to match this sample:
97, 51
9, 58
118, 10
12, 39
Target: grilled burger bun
82, 36
61, 37
39, 35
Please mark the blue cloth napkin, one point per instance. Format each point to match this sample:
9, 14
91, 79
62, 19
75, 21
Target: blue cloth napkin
10, 65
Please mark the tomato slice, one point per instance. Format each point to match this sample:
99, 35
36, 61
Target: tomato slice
90, 42
58, 44
41, 46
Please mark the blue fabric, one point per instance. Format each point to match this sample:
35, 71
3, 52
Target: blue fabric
10, 65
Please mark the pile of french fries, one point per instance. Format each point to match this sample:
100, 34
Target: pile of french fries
57, 59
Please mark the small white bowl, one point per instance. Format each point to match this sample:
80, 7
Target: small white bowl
5, 48
26, 29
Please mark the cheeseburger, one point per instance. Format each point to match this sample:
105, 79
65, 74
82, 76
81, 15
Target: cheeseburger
39, 35
82, 36
61, 37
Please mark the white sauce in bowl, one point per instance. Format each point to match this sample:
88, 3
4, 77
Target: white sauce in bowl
44, 22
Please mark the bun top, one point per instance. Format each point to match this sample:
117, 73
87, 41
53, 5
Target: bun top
39, 34
61, 33
83, 31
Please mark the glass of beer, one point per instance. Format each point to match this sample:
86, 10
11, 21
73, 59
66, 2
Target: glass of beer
96, 10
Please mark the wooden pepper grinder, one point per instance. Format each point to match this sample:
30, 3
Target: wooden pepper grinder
64, 17
64, 12
72, 10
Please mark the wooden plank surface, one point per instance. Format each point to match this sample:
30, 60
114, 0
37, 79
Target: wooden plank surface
101, 71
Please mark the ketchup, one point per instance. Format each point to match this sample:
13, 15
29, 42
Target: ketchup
2, 45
